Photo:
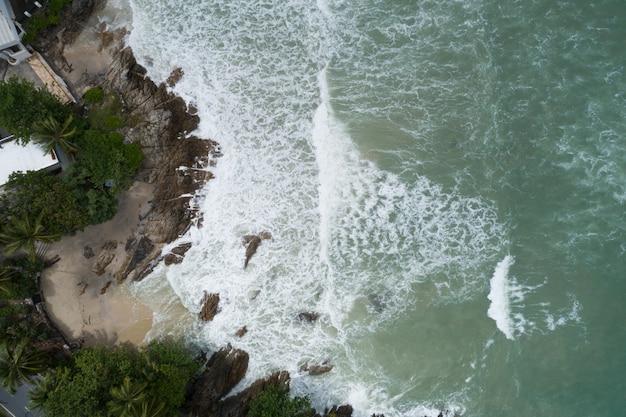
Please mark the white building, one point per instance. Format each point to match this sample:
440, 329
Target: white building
12, 14
15, 157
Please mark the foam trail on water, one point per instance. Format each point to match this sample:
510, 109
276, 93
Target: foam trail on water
499, 309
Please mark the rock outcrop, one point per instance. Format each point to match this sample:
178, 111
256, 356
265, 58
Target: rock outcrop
175, 161
251, 243
224, 370
210, 304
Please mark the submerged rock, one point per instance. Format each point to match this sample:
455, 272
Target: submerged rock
315, 370
308, 316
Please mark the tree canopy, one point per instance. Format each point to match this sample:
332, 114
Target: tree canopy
22, 105
120, 381
38, 193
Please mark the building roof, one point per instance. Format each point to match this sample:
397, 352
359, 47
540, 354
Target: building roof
14, 157
8, 33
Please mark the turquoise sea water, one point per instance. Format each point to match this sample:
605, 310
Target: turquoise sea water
445, 183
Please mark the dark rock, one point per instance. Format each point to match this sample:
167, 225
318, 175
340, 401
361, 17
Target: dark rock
239, 405
140, 253
88, 252
181, 249
308, 316
104, 259
251, 245
209, 307
104, 289
109, 245
265, 235
341, 411
241, 332
377, 302
316, 369
224, 370
175, 77
177, 254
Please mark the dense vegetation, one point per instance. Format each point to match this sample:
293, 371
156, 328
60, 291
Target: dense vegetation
102, 167
275, 402
118, 381
41, 207
43, 19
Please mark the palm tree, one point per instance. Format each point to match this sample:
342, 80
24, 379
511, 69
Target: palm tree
152, 408
45, 386
49, 134
23, 233
19, 363
127, 399
5, 280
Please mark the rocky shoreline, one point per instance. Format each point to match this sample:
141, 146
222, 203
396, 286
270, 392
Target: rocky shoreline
162, 122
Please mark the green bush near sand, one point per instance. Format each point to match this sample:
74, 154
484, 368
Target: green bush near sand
124, 380
102, 164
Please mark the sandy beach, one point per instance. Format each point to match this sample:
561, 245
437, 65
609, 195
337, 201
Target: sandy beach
80, 290
81, 294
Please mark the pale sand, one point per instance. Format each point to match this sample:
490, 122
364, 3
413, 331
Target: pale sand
92, 317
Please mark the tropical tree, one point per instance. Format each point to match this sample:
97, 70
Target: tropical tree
19, 363
24, 233
49, 134
46, 387
126, 399
5, 280
22, 105
152, 408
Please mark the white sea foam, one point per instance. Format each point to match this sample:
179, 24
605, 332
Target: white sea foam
499, 295
352, 241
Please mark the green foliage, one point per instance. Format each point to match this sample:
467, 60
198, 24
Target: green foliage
19, 362
40, 194
42, 20
119, 381
23, 233
21, 272
50, 134
105, 159
94, 95
275, 402
22, 105
106, 114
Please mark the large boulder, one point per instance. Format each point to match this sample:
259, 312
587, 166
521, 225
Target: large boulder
224, 370
239, 405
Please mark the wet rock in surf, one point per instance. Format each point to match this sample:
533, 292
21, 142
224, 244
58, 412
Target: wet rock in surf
177, 254
239, 405
224, 370
251, 243
209, 306
308, 316
341, 411
241, 331
175, 77
315, 370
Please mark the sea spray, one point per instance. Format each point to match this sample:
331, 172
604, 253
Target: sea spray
499, 309
448, 132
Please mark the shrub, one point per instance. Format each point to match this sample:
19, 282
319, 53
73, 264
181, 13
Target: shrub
276, 402
22, 105
94, 95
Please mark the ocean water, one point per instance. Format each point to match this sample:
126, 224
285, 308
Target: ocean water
445, 185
